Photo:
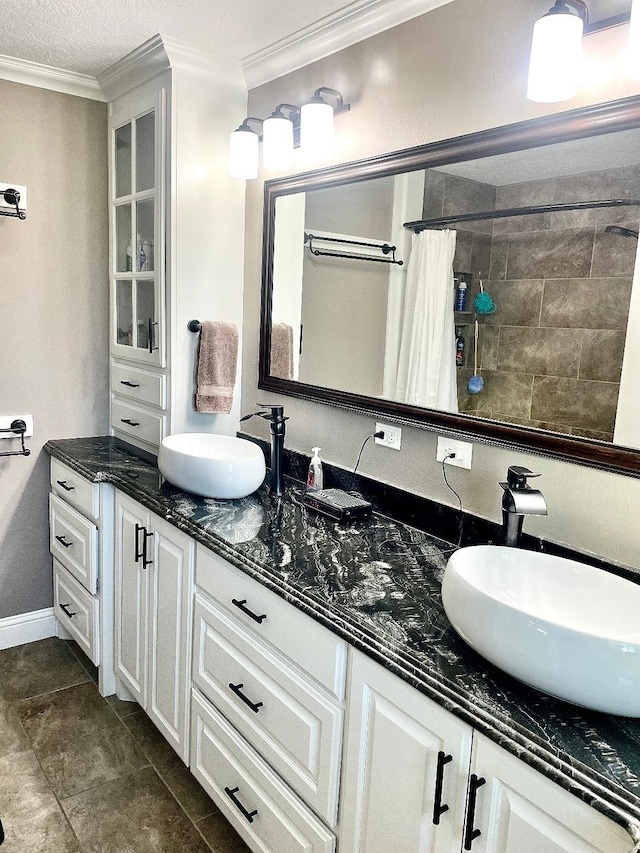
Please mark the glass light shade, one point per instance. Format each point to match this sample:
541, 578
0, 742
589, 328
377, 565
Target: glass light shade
556, 52
277, 143
316, 130
243, 154
633, 46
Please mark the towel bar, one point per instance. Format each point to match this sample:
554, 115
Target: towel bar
194, 326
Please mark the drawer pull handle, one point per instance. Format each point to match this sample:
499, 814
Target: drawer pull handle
130, 422
65, 607
470, 833
64, 542
237, 689
129, 384
241, 605
63, 483
231, 793
439, 808
140, 553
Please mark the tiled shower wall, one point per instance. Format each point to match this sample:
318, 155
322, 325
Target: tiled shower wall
551, 355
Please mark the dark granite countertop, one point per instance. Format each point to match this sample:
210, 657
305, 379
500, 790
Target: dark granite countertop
377, 583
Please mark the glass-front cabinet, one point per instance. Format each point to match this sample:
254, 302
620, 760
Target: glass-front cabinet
137, 328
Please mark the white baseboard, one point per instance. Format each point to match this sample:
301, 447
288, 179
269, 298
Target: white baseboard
27, 628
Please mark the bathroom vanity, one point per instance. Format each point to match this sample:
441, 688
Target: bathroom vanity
306, 673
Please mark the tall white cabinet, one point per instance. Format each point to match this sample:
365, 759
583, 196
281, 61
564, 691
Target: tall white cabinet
176, 228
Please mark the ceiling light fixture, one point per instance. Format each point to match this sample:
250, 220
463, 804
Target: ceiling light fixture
244, 151
556, 49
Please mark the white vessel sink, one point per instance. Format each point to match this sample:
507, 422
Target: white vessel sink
215, 466
566, 628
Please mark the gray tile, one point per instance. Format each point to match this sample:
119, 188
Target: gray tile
89, 667
31, 816
550, 254
547, 351
601, 354
122, 708
592, 186
463, 195
464, 251
220, 835
499, 257
433, 194
575, 402
597, 303
481, 256
593, 434
518, 302
506, 394
78, 739
182, 784
37, 668
613, 254
135, 814
488, 346
526, 194
12, 736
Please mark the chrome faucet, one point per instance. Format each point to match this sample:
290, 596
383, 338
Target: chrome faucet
518, 500
276, 420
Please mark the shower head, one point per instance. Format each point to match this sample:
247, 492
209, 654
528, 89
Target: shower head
621, 231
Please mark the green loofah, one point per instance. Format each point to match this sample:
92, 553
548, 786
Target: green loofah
484, 304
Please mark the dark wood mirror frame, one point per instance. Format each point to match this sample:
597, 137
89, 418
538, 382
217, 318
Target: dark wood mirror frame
589, 121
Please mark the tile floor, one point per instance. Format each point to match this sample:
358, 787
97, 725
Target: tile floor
83, 774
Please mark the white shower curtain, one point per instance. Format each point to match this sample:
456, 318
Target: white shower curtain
427, 360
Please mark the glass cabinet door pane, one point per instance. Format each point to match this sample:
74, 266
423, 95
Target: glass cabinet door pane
145, 152
123, 160
123, 238
124, 314
145, 222
145, 311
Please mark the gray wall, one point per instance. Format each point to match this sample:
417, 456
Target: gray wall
53, 312
455, 70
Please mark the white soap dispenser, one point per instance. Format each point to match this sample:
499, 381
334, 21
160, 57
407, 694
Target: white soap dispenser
314, 477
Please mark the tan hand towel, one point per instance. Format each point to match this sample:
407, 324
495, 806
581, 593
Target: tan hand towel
281, 351
217, 363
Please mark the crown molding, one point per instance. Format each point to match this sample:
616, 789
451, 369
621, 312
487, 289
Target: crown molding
356, 22
47, 77
160, 54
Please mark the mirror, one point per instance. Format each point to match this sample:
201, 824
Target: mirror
532, 227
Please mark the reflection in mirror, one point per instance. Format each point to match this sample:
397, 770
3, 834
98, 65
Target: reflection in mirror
548, 290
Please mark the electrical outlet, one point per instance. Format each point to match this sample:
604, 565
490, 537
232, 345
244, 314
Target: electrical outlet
462, 449
392, 436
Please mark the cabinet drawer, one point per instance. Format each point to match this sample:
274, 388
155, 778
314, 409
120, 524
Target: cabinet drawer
139, 385
77, 491
73, 540
297, 728
138, 422
268, 816
317, 651
77, 611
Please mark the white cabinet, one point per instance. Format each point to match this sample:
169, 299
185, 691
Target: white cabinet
154, 566
518, 810
171, 109
81, 543
405, 769
406, 759
266, 730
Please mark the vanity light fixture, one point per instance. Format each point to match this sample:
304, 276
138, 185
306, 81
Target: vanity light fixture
277, 138
316, 123
556, 48
244, 151
310, 127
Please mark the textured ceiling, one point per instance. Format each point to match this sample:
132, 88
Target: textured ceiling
87, 37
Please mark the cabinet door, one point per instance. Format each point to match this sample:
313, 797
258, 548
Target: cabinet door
170, 620
406, 759
137, 265
518, 810
131, 583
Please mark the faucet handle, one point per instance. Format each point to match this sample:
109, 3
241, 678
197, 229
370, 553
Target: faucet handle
517, 476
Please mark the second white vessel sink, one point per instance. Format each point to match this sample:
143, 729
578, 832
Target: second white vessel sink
567, 628
214, 466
